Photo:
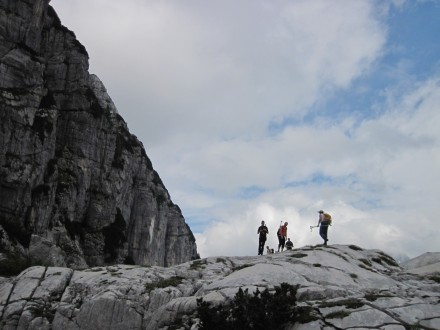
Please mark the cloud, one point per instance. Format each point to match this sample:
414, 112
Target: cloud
256, 110
388, 166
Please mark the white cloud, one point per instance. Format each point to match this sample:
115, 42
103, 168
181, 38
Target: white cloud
200, 82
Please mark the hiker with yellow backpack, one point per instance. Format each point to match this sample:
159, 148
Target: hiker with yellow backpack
325, 220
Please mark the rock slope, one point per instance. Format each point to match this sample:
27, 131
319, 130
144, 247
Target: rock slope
76, 188
340, 287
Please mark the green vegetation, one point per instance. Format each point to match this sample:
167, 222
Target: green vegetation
388, 260
366, 267
164, 283
365, 261
260, 310
435, 278
374, 296
348, 303
298, 255
241, 267
197, 264
337, 315
43, 310
306, 314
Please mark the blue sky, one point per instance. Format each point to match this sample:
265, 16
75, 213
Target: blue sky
258, 110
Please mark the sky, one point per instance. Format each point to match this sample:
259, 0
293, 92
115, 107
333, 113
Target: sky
257, 110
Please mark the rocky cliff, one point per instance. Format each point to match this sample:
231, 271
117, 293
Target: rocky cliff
338, 287
76, 188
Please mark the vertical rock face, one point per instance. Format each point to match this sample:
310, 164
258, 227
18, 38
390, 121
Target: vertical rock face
76, 188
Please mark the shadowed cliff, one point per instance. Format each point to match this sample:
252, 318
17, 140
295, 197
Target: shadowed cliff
76, 188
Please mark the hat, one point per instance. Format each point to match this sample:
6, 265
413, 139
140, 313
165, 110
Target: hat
321, 211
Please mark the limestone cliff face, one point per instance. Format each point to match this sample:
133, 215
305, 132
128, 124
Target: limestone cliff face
76, 188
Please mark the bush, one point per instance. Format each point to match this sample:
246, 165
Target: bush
261, 310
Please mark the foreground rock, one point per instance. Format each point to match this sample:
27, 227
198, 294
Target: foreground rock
343, 287
76, 188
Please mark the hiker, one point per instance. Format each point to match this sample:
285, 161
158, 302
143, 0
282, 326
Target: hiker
262, 231
282, 235
289, 244
324, 221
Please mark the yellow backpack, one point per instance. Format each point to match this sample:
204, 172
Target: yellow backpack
328, 217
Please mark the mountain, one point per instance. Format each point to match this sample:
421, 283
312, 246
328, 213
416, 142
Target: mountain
76, 188
426, 263
337, 287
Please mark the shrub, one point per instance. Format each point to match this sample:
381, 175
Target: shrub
197, 264
435, 278
261, 310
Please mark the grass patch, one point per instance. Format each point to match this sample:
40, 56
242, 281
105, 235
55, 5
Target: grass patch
366, 267
306, 314
337, 315
377, 260
197, 264
374, 296
98, 269
388, 260
435, 278
355, 247
43, 310
366, 262
352, 275
164, 283
241, 267
347, 303
298, 255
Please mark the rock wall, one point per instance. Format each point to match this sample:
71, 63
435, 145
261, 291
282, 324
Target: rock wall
340, 287
76, 188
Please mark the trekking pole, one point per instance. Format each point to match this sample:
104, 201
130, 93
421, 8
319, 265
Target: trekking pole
311, 227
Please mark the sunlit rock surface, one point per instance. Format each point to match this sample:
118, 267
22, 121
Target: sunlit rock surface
346, 287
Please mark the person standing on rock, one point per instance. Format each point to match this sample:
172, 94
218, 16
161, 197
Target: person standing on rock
289, 244
324, 221
282, 235
262, 231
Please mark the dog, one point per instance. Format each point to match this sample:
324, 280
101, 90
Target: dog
269, 251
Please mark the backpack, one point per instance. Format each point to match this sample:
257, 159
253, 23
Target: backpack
328, 217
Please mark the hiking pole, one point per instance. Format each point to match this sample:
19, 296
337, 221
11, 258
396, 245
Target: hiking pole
311, 227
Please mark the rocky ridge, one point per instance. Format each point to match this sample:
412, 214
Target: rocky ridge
76, 188
340, 287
